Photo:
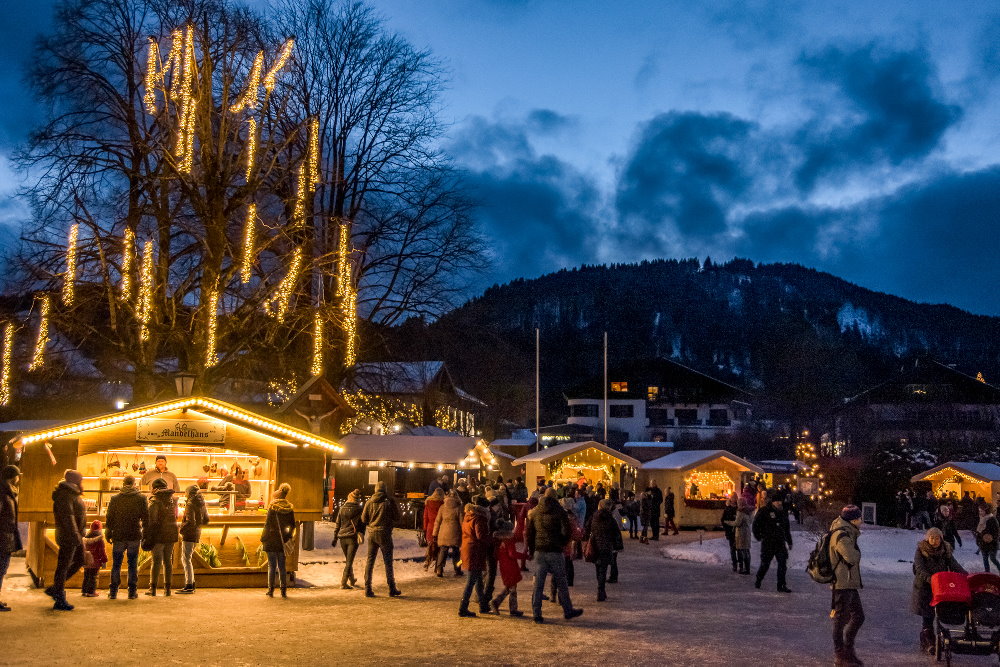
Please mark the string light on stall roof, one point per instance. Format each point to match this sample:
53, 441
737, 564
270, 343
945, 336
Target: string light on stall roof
249, 233
317, 352
250, 98
38, 355
145, 291
211, 358
128, 252
69, 280
279, 63
5, 368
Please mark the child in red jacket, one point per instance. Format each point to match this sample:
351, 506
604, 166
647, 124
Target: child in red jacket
508, 562
95, 558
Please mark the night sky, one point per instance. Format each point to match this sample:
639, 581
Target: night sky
856, 138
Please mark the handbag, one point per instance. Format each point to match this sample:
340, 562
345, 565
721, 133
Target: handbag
590, 551
421, 539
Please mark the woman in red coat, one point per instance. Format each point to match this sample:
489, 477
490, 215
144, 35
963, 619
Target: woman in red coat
508, 562
475, 542
431, 507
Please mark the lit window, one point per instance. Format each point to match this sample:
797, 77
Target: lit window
652, 393
619, 386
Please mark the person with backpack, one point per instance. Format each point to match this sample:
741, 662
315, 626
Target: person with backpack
771, 529
987, 532
195, 516
845, 560
933, 555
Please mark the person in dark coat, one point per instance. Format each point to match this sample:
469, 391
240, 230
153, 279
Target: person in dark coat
987, 536
933, 555
279, 530
944, 520
606, 540
195, 516
476, 542
380, 515
10, 537
655, 502
349, 531
128, 515
670, 511
161, 534
646, 515
630, 510
71, 519
548, 533
728, 521
771, 529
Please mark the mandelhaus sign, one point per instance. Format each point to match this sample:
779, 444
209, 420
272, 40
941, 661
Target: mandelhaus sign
174, 430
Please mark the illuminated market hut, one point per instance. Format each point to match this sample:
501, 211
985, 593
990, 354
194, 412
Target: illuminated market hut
701, 479
981, 480
569, 461
204, 441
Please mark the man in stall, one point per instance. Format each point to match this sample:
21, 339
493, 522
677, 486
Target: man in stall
161, 472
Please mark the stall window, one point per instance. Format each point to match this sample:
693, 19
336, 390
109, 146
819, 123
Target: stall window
652, 393
583, 410
620, 411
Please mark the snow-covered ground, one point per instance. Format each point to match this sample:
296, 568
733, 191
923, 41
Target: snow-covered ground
883, 550
324, 565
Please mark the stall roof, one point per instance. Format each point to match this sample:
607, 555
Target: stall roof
22, 425
782, 466
650, 445
693, 458
216, 408
513, 442
416, 448
564, 450
984, 472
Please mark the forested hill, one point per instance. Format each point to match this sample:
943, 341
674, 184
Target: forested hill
798, 338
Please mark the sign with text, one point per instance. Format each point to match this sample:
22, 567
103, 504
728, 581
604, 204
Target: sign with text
180, 430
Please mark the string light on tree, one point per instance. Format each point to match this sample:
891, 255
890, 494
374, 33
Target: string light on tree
249, 232
42, 339
350, 329
211, 358
145, 309
314, 151
128, 251
287, 285
251, 94
317, 351
5, 368
69, 280
251, 146
271, 76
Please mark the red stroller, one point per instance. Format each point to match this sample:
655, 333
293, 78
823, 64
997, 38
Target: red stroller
966, 614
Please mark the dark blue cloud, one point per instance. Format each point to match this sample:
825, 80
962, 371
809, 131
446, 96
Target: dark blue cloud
887, 109
22, 23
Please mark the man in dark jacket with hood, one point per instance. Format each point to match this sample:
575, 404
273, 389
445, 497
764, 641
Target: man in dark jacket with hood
655, 503
10, 538
379, 516
770, 528
71, 518
548, 532
128, 514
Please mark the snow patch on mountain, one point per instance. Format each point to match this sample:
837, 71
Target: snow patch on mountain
851, 317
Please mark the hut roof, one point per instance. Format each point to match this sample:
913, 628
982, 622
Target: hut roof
693, 458
984, 472
564, 450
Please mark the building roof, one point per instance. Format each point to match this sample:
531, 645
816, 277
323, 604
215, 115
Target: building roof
564, 450
693, 458
928, 381
317, 384
650, 445
782, 466
676, 382
513, 442
447, 450
984, 472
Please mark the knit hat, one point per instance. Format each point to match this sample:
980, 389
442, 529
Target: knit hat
158, 483
283, 490
469, 507
192, 490
850, 513
95, 525
10, 472
353, 496
73, 477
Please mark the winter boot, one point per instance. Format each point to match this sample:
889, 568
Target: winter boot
465, 613
152, 591
602, 596
166, 591
112, 593
270, 593
62, 605
926, 640
852, 658
187, 590
133, 594
284, 592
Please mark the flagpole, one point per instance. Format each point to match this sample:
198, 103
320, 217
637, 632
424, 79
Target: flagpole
538, 410
605, 387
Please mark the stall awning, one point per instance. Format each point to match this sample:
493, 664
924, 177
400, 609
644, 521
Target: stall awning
562, 451
197, 404
983, 472
458, 451
693, 458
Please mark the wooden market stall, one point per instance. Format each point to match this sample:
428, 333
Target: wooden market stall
981, 480
205, 441
568, 462
701, 480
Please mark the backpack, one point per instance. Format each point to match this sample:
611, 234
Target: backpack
820, 567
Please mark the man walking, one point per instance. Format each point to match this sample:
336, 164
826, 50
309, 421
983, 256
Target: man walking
71, 515
848, 615
128, 516
547, 535
655, 502
380, 515
770, 528
10, 538
669, 511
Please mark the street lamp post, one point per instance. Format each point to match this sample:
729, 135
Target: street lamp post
184, 382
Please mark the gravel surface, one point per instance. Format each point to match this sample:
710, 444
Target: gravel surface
663, 612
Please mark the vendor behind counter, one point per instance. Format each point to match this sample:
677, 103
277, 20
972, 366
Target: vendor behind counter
160, 472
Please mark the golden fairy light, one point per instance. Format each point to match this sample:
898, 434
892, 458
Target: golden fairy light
152, 74
343, 260
211, 358
184, 149
251, 94
69, 280
350, 328
128, 250
301, 190
271, 76
317, 356
249, 230
251, 146
314, 152
146, 291
38, 356
287, 285
8, 353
